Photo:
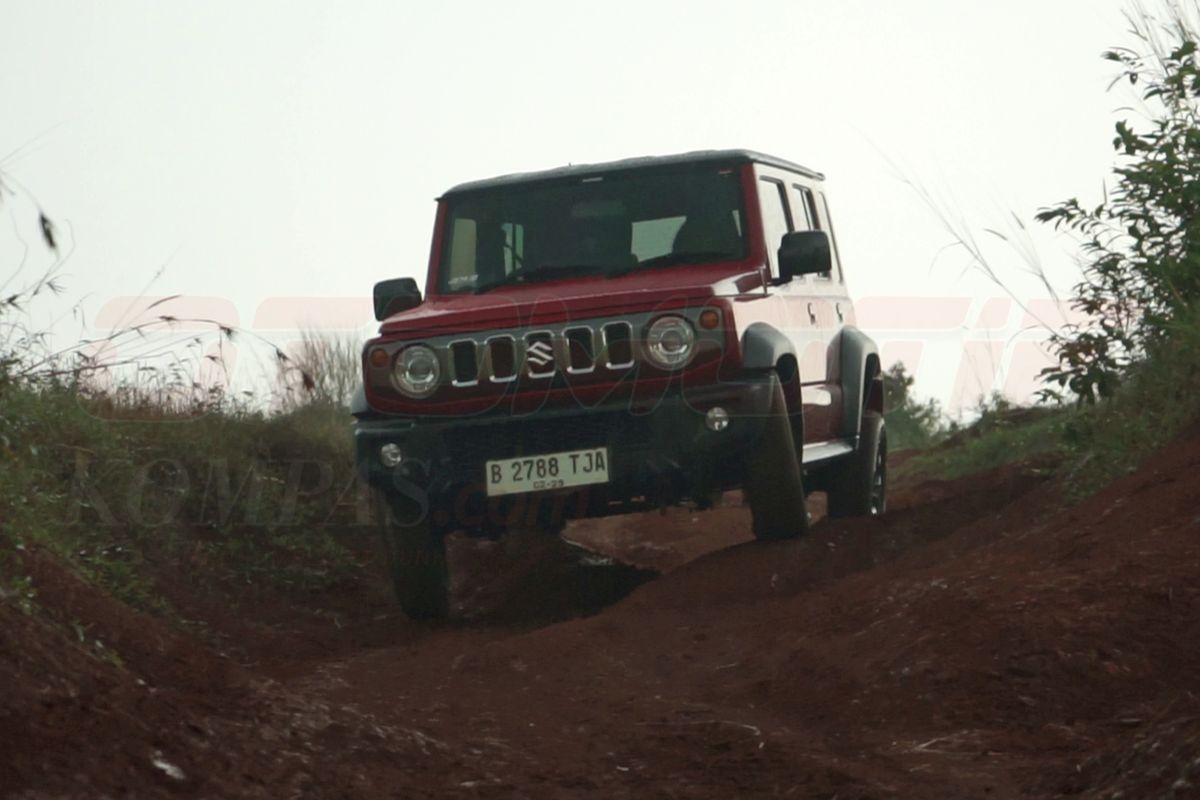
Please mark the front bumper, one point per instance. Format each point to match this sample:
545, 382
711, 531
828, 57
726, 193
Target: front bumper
659, 453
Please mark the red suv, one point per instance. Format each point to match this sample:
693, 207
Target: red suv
609, 338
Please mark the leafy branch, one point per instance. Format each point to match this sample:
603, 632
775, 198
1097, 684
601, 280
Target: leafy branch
1141, 244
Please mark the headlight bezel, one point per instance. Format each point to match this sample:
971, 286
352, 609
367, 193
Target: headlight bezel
658, 333
401, 372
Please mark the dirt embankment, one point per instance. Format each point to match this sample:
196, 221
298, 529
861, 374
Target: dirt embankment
976, 642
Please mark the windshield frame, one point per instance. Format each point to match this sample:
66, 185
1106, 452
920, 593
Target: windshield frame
743, 199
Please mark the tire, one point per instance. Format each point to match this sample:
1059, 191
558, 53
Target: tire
773, 484
416, 558
858, 485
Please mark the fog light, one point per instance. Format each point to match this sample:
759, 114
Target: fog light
717, 419
390, 455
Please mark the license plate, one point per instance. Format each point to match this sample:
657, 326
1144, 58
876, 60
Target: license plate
549, 471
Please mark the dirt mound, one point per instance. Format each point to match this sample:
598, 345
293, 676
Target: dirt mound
100, 700
980, 640
113, 681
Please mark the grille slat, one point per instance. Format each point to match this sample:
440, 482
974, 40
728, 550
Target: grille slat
502, 359
464, 357
581, 350
618, 345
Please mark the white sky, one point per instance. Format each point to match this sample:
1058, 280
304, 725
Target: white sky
294, 148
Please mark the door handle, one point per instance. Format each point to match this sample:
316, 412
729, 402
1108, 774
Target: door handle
812, 315
838, 307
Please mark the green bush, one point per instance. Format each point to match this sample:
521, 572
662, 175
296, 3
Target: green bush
1141, 245
1156, 402
911, 423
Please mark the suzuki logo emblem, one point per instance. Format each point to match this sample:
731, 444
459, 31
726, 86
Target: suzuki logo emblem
541, 353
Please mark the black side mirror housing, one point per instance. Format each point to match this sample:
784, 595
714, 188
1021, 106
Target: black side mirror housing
804, 253
394, 296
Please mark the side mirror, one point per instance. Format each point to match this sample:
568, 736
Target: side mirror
398, 294
804, 253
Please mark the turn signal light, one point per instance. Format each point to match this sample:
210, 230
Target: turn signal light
710, 318
378, 358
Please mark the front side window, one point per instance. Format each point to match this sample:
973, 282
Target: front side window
610, 224
776, 219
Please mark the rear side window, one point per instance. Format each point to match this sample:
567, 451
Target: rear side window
806, 206
828, 228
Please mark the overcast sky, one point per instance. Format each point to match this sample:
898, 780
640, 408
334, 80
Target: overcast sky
294, 148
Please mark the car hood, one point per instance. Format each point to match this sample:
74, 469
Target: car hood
571, 299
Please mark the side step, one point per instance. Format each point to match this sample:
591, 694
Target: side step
824, 451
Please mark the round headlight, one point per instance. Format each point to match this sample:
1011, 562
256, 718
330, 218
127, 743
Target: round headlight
416, 371
670, 342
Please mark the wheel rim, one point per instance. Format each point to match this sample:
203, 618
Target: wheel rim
879, 478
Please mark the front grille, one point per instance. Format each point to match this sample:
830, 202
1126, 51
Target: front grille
542, 354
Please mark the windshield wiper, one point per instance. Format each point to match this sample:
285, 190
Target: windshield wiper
543, 272
673, 259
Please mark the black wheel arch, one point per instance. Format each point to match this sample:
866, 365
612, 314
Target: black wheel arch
862, 379
765, 348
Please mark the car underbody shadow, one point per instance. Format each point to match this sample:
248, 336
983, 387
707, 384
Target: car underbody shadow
532, 578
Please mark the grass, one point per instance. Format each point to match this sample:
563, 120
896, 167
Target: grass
1158, 401
257, 499
997, 438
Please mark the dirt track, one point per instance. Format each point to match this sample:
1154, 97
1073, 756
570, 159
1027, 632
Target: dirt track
973, 643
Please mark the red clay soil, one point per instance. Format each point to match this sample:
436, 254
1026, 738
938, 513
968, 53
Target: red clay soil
975, 642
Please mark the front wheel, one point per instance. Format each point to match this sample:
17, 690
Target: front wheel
858, 485
416, 558
773, 484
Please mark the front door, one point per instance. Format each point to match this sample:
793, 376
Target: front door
813, 305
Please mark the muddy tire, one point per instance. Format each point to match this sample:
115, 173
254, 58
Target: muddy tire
416, 558
773, 485
858, 485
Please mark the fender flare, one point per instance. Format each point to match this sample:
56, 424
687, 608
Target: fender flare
859, 355
763, 345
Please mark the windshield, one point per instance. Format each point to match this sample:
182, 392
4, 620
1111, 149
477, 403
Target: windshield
611, 224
